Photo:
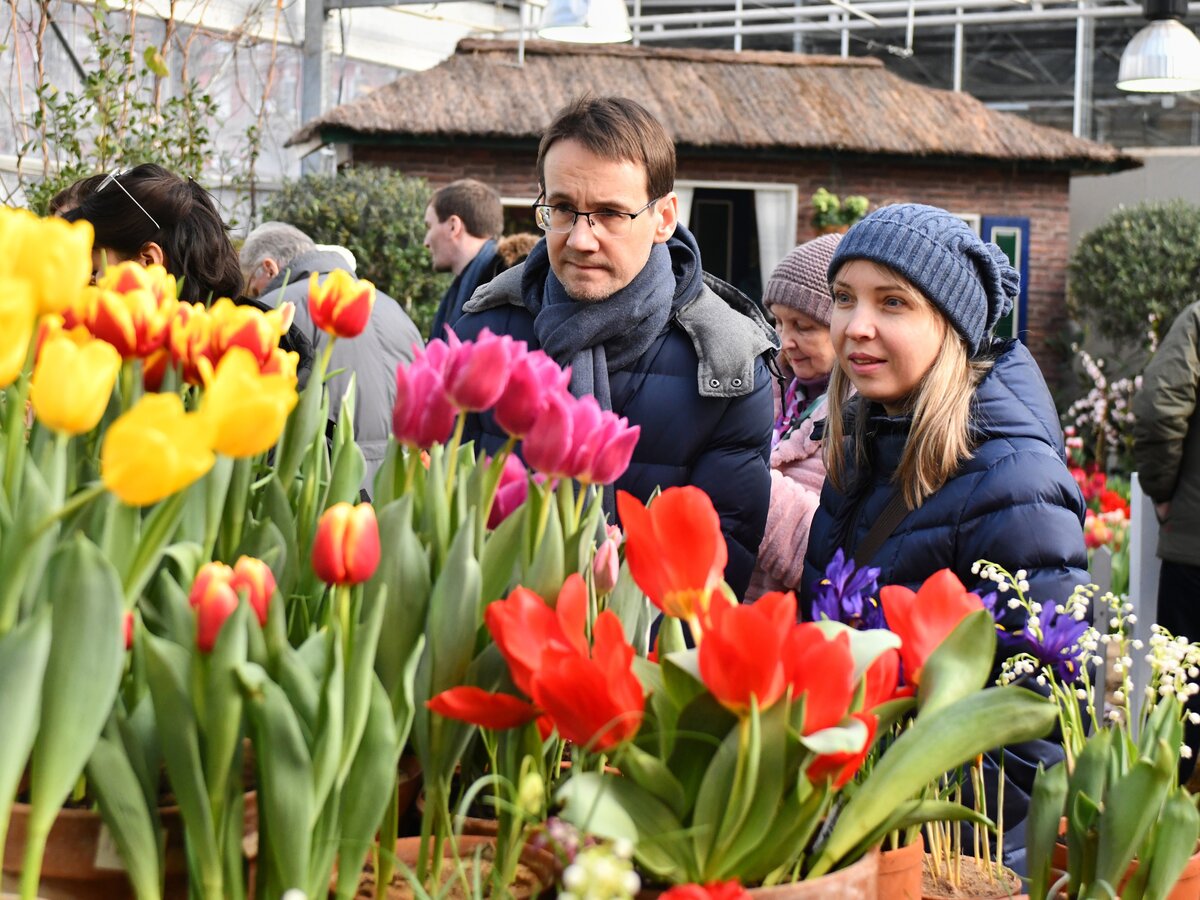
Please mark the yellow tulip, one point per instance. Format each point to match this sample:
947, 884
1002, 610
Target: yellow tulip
72, 384
53, 255
18, 314
155, 450
247, 409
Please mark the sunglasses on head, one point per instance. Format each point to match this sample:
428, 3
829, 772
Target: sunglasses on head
112, 178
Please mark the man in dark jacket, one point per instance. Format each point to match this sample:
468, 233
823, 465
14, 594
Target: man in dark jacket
462, 223
1166, 448
278, 260
616, 291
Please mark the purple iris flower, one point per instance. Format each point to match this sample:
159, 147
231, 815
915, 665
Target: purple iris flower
847, 594
1058, 649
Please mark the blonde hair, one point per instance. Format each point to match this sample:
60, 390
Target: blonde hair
939, 440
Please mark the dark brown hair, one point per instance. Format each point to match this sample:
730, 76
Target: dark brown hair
475, 203
194, 239
617, 129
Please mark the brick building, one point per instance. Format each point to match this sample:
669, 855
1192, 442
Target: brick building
756, 135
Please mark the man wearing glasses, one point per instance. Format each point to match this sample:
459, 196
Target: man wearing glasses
616, 291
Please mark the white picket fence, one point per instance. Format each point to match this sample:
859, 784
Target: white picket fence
1143, 573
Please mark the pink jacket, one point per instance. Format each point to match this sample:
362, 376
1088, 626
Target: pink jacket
797, 474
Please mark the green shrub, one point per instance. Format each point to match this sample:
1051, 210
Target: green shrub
1134, 273
379, 215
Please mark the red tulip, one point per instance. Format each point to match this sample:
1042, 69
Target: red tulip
477, 373
214, 599
534, 377
258, 581
841, 767
675, 549
547, 447
340, 305
821, 669
346, 548
924, 619
127, 627
511, 492
881, 679
597, 702
524, 626
740, 656
728, 890
476, 706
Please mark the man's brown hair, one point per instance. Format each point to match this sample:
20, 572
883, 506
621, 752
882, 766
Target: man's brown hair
617, 129
475, 203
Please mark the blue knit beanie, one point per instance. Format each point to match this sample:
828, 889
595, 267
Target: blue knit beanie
969, 280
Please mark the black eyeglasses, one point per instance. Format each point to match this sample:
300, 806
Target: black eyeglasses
112, 179
562, 219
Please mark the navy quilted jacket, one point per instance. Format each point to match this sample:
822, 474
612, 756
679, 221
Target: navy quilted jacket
718, 444
1013, 502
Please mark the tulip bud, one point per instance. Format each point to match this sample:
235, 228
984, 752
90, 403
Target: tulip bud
606, 567
511, 492
127, 627
346, 548
214, 599
258, 581
341, 305
531, 795
478, 372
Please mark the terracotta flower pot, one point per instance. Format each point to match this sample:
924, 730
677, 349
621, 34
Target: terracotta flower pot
974, 884
857, 882
535, 875
1186, 888
82, 861
900, 871
475, 826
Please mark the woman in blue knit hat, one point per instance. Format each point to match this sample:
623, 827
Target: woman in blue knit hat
951, 452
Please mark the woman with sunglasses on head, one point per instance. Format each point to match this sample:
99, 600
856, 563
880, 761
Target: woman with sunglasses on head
150, 214
952, 451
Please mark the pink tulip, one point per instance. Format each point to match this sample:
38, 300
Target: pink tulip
587, 424
548, 447
423, 415
477, 373
533, 378
513, 489
606, 567
609, 451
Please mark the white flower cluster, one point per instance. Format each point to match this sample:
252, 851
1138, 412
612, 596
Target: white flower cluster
601, 872
1174, 665
1105, 410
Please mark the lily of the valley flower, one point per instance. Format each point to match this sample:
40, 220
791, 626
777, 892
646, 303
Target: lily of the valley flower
155, 450
341, 304
346, 547
675, 549
72, 384
924, 618
248, 409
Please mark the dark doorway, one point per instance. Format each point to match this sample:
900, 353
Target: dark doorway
726, 228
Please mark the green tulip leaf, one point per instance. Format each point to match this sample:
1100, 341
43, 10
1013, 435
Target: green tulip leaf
960, 665
303, 427
649, 772
82, 674
501, 553
24, 652
616, 808
1131, 806
547, 571
222, 706
134, 828
933, 744
1176, 833
360, 680
326, 742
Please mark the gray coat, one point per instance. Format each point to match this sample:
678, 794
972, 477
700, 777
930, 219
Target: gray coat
1166, 437
371, 358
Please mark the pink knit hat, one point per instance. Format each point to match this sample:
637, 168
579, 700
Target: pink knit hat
801, 282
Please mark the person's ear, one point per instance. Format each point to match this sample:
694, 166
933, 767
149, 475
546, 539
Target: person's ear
456, 226
151, 254
270, 268
667, 218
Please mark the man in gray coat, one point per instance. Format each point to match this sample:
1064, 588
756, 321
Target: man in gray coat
277, 260
1166, 448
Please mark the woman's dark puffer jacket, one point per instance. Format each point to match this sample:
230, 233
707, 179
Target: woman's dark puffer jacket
1013, 503
717, 444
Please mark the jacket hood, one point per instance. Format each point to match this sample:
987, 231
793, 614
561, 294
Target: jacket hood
320, 261
1013, 401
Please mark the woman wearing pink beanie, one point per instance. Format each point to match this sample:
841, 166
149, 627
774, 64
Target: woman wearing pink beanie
798, 296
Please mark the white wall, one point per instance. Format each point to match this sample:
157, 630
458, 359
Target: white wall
1169, 173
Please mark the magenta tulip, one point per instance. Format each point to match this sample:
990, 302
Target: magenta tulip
513, 489
423, 415
606, 567
610, 451
533, 378
478, 371
587, 425
548, 447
